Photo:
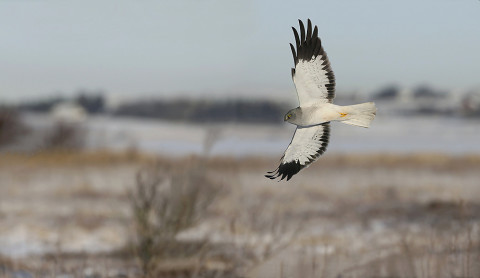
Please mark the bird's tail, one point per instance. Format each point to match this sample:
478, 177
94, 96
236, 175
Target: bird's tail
359, 114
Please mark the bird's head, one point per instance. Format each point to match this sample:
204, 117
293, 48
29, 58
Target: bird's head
292, 115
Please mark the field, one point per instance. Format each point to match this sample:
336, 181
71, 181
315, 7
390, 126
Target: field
79, 214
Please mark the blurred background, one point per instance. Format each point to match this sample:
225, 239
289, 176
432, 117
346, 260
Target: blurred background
134, 136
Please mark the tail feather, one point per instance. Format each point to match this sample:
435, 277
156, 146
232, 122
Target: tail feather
360, 114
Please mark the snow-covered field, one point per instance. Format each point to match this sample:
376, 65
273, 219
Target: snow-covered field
355, 211
399, 199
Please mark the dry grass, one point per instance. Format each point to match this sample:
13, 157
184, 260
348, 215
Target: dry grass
62, 158
75, 158
411, 255
380, 215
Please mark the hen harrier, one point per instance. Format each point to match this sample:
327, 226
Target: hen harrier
315, 84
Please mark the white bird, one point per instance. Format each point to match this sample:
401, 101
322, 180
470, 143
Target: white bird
315, 84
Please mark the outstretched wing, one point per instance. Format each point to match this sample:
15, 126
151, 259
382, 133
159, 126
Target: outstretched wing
307, 144
312, 75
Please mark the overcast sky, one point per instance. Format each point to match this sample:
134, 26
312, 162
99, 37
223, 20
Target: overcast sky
138, 48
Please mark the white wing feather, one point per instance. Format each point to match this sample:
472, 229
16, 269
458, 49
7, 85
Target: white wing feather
310, 81
307, 144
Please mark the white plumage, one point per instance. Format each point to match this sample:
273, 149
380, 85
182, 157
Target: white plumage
315, 84
310, 81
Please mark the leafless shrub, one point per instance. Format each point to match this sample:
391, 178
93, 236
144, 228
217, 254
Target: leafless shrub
11, 126
65, 136
163, 206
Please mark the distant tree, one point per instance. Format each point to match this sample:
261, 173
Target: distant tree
424, 91
42, 106
11, 126
92, 103
206, 111
389, 92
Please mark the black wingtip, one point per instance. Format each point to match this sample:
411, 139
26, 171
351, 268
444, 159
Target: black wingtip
297, 38
272, 177
294, 53
307, 42
309, 30
285, 171
302, 31
315, 32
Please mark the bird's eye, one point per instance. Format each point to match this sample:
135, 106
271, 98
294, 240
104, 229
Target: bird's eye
289, 116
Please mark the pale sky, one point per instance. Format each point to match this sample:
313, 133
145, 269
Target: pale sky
168, 48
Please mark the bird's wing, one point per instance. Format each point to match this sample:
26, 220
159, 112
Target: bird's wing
307, 144
312, 75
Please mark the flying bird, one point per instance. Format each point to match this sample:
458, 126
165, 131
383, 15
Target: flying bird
315, 84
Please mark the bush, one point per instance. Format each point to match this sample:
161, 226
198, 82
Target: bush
11, 126
163, 206
65, 136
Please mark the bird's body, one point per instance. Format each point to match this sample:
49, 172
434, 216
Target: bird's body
315, 84
327, 112
314, 114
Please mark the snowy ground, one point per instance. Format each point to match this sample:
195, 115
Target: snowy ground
399, 199
355, 211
